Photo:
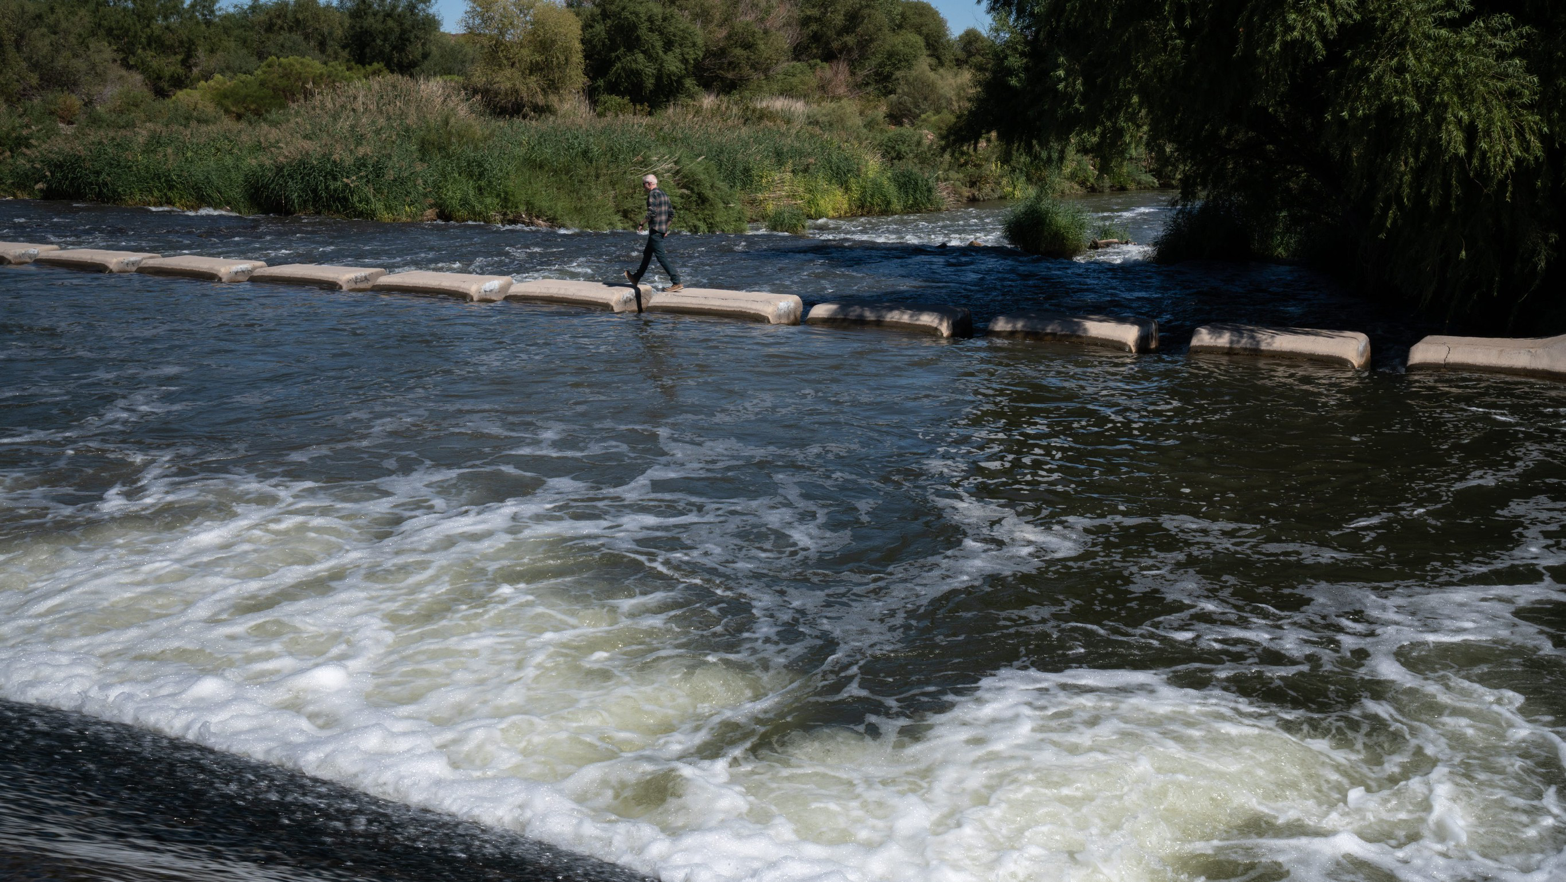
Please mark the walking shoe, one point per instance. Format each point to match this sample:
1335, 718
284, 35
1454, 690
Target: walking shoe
630, 278
675, 288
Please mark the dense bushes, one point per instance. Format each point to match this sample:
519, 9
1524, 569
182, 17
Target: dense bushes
278, 83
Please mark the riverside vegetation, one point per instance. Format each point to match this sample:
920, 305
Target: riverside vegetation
539, 113
1415, 149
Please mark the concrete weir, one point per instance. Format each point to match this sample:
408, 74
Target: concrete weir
1535, 356
777, 309
592, 295
1132, 333
335, 278
944, 321
207, 269
1347, 348
22, 252
481, 289
94, 260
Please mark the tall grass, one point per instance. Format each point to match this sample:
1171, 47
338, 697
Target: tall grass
394, 149
1042, 224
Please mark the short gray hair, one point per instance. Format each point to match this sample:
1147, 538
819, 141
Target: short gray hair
653, 178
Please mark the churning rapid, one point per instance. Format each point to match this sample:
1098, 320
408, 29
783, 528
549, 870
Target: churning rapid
723, 601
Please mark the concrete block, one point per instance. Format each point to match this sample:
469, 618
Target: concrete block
208, 269
777, 309
1347, 348
22, 252
1131, 333
94, 261
336, 278
1531, 356
944, 321
482, 289
592, 295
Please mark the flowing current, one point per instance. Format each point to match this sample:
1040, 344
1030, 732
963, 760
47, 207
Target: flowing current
723, 601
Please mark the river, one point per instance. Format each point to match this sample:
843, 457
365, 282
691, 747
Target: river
712, 600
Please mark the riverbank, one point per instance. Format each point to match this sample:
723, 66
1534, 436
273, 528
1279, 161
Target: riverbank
395, 149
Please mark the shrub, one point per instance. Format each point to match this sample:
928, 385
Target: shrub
794, 80
616, 105
278, 83
1047, 226
786, 219
65, 107
1107, 230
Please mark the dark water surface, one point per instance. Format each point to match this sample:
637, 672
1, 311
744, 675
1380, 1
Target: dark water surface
713, 600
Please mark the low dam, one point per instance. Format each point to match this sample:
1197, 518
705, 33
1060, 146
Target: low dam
714, 598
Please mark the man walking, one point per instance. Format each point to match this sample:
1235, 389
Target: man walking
659, 213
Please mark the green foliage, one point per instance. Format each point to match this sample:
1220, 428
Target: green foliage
1109, 230
794, 80
450, 56
920, 18
529, 54
615, 105
899, 53
396, 34
641, 50
278, 83
1047, 226
1421, 144
284, 28
392, 148
786, 219
742, 42
920, 92
973, 50
52, 47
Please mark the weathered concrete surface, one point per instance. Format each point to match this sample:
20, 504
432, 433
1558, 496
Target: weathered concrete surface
482, 289
945, 321
1131, 333
337, 278
208, 269
1348, 348
593, 295
22, 252
777, 309
1532, 356
94, 260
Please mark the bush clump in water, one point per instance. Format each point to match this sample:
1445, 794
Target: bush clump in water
786, 219
1047, 226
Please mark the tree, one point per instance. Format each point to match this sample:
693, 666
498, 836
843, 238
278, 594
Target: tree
397, 34
640, 50
973, 50
919, 17
1415, 147
848, 30
743, 41
529, 53
307, 28
52, 47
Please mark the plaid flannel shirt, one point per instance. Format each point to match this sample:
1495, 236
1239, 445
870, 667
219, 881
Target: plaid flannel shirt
660, 211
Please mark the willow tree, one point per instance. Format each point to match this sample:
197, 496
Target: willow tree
1414, 146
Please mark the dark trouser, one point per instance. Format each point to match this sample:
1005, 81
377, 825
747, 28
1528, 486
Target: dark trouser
655, 249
